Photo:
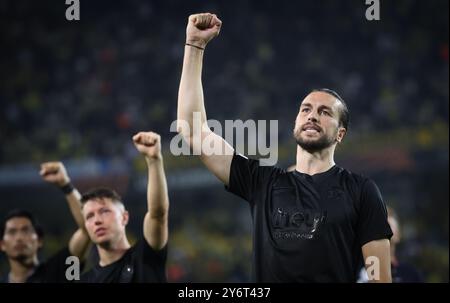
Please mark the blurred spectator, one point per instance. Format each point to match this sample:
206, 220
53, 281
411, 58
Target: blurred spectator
402, 272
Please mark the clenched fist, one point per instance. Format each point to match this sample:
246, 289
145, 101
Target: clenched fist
202, 28
55, 173
148, 144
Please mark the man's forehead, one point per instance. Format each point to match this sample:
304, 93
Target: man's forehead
321, 98
18, 222
97, 202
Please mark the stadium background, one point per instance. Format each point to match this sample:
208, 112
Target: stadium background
77, 91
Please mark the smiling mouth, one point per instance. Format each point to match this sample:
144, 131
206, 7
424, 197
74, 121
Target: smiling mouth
311, 129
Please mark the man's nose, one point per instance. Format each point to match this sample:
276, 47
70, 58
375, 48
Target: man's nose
97, 220
20, 238
312, 117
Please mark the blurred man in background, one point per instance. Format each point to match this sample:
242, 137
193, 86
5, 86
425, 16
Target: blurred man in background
314, 224
22, 237
106, 220
402, 272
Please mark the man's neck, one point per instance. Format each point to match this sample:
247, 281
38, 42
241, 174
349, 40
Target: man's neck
113, 252
21, 270
316, 162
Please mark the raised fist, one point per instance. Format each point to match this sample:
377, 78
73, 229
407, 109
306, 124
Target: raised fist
55, 173
148, 144
202, 28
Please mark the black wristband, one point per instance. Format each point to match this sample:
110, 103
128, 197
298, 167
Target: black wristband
68, 188
188, 44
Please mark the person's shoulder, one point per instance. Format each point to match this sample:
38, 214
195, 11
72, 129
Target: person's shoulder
357, 184
56, 260
142, 243
52, 269
59, 256
358, 179
259, 162
262, 166
143, 251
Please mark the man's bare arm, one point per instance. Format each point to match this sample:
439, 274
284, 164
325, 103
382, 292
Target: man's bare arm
156, 230
55, 173
377, 258
200, 30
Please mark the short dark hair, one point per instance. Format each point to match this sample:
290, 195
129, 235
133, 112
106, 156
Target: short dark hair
21, 213
101, 193
344, 114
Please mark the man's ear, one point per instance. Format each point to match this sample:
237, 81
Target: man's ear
2, 246
40, 243
125, 218
341, 134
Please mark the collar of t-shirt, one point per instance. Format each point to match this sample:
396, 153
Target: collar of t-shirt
112, 265
319, 176
6, 278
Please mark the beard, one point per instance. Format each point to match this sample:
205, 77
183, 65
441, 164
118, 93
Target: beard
23, 258
314, 145
104, 243
109, 241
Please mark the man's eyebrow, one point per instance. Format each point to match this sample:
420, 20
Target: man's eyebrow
325, 107
320, 107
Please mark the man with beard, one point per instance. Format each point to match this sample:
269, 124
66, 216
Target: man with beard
106, 219
22, 237
313, 224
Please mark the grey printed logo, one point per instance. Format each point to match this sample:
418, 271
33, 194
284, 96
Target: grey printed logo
73, 271
373, 11
295, 224
73, 11
252, 138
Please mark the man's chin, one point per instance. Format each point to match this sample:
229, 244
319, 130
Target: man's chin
301, 141
21, 257
313, 145
103, 242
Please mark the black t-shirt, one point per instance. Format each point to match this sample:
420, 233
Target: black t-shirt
140, 264
308, 228
51, 271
